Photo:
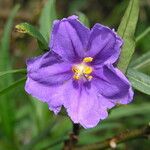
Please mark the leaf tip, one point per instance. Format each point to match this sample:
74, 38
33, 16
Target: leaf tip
20, 28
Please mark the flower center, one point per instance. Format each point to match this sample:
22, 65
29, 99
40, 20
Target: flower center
82, 69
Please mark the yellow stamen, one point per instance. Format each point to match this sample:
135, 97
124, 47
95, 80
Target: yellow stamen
76, 70
83, 70
87, 59
76, 77
87, 70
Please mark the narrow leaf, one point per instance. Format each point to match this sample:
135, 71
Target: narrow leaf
6, 101
3, 73
47, 17
130, 110
126, 31
31, 30
12, 86
139, 80
5, 41
143, 61
142, 35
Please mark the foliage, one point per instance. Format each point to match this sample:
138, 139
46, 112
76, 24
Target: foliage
126, 30
31, 30
7, 120
26, 123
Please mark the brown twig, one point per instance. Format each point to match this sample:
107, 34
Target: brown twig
124, 136
73, 138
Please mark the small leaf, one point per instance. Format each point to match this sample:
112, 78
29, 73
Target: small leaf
83, 18
47, 17
139, 80
31, 30
126, 31
143, 61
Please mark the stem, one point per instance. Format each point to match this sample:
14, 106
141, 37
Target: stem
124, 136
73, 138
76, 129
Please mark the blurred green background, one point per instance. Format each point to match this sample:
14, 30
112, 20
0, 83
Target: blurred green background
26, 123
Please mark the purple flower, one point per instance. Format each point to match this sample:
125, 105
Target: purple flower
78, 72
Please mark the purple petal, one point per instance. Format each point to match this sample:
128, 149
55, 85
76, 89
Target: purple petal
83, 105
49, 94
49, 69
104, 45
69, 39
46, 79
113, 85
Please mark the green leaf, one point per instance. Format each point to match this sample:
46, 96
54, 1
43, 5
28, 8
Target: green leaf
126, 31
77, 5
12, 86
142, 35
139, 80
3, 73
115, 15
6, 102
47, 17
5, 41
130, 110
83, 18
31, 30
141, 62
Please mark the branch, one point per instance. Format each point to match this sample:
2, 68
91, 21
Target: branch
124, 136
73, 138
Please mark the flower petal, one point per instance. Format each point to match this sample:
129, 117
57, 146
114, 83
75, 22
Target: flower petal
47, 77
49, 69
84, 106
69, 38
104, 45
50, 94
113, 85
